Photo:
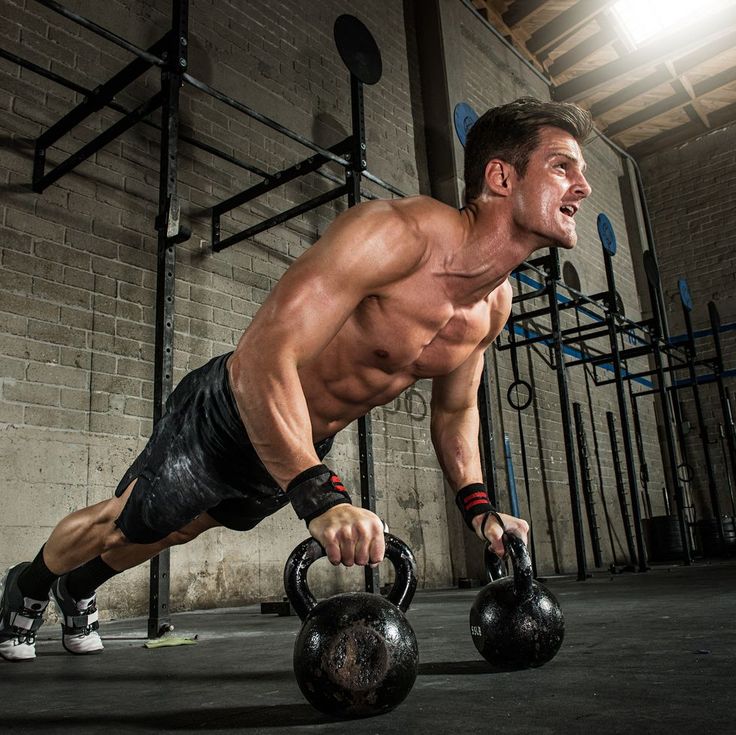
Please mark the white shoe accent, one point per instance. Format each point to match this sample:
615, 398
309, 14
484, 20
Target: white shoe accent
20, 618
79, 632
84, 643
17, 649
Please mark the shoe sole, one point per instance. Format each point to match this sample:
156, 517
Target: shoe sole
18, 660
82, 653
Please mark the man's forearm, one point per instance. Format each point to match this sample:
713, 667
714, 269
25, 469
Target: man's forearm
455, 439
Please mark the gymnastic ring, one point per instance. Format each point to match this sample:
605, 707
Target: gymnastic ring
513, 402
688, 473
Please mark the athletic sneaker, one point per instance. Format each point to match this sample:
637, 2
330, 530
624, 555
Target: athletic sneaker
20, 618
78, 620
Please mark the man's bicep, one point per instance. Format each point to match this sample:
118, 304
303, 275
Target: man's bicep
360, 253
304, 311
458, 390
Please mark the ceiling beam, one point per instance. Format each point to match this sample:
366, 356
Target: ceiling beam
695, 111
710, 84
629, 92
723, 116
565, 23
662, 75
667, 139
679, 99
582, 51
695, 35
707, 51
694, 108
685, 96
495, 19
520, 10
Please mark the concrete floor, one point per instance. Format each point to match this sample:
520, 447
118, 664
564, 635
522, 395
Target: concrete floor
645, 653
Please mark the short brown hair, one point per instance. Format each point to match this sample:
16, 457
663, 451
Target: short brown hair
511, 132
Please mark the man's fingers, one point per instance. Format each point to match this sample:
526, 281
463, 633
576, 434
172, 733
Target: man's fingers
347, 549
332, 549
350, 536
362, 550
377, 549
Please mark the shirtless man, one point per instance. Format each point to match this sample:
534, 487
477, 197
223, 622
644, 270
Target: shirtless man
393, 292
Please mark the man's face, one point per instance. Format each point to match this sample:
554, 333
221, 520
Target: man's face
548, 196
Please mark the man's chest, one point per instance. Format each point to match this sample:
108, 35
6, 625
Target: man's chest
419, 333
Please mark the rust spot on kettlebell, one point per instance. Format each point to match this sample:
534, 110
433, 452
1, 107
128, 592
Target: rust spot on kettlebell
357, 658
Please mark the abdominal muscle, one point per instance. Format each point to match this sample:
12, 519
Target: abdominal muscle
368, 364
335, 403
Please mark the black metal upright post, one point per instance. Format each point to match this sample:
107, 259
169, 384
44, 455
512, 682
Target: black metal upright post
486, 431
170, 233
715, 327
611, 311
553, 276
620, 486
702, 426
365, 430
522, 445
652, 272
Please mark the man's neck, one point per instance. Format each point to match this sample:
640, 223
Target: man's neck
490, 249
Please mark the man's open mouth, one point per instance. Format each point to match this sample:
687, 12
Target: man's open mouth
568, 209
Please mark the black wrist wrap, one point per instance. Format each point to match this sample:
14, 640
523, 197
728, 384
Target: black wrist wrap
473, 500
315, 491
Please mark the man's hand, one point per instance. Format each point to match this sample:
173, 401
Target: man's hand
350, 535
516, 526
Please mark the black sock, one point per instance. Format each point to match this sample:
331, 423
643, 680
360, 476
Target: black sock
36, 579
83, 581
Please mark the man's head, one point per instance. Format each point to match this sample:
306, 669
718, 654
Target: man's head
529, 153
511, 132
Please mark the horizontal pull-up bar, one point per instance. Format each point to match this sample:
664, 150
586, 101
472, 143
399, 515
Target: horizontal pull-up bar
100, 31
317, 201
41, 182
221, 96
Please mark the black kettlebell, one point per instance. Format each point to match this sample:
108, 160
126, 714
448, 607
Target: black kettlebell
356, 654
516, 623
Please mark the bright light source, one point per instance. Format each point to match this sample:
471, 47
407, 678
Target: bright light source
644, 19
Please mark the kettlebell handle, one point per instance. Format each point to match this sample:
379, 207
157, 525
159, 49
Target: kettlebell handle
522, 563
309, 550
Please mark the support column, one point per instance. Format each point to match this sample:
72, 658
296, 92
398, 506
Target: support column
169, 233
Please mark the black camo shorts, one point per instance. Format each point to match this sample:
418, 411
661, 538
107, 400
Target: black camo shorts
198, 459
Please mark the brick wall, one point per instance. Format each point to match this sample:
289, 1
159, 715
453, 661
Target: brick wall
690, 191
78, 275
78, 268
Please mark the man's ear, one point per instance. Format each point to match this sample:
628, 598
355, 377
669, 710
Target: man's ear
498, 177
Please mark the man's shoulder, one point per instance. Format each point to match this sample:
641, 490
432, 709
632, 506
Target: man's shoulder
421, 207
415, 208
413, 221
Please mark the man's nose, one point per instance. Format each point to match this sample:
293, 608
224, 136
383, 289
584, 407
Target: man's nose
582, 187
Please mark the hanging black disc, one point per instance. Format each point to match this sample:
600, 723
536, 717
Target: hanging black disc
358, 49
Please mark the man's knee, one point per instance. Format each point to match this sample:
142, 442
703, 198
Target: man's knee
114, 539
